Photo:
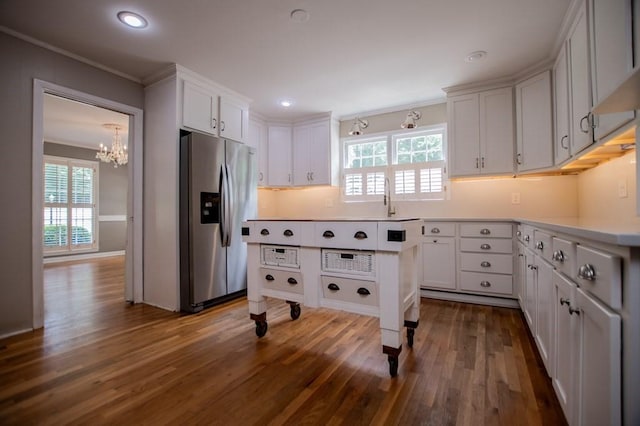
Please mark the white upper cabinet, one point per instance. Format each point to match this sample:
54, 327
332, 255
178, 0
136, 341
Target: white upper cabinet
561, 139
580, 84
234, 117
611, 57
481, 132
315, 151
533, 121
257, 138
204, 109
199, 108
279, 156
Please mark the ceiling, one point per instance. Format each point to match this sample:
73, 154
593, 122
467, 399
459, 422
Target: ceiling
350, 57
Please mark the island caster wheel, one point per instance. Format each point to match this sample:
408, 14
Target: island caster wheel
410, 333
393, 366
261, 328
295, 311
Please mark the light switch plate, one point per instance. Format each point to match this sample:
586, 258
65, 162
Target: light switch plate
515, 198
622, 189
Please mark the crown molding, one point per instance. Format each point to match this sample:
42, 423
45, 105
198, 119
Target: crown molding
396, 108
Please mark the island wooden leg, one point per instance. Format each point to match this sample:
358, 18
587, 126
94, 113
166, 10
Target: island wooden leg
261, 323
411, 329
392, 355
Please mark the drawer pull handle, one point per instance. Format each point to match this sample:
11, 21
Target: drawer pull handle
288, 233
485, 284
485, 264
485, 247
292, 281
564, 301
363, 291
264, 232
269, 277
435, 230
526, 238
328, 234
485, 231
539, 245
333, 287
586, 272
559, 256
573, 310
532, 267
360, 235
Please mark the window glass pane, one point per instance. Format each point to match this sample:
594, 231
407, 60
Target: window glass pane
366, 154
434, 147
55, 226
82, 224
419, 149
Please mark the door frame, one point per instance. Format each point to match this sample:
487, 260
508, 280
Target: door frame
133, 257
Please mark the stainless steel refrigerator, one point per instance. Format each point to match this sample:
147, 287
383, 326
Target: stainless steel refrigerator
218, 190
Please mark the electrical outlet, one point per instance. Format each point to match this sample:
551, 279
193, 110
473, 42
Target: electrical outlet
622, 189
328, 202
515, 198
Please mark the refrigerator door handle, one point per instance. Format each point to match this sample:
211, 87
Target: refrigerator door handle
223, 203
230, 205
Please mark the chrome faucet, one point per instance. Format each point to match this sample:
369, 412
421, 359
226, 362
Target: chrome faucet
387, 198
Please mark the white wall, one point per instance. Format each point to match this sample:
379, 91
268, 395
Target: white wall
598, 191
540, 197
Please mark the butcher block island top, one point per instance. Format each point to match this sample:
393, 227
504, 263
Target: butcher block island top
367, 266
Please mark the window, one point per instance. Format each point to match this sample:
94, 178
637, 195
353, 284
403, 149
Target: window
413, 162
70, 191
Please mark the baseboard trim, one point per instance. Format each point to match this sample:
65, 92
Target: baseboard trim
15, 333
96, 255
470, 298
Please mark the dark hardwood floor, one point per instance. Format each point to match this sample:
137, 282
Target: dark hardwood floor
99, 360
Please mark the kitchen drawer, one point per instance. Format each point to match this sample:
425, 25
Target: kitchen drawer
599, 273
276, 279
277, 232
543, 245
486, 245
486, 283
564, 256
350, 290
439, 229
527, 236
347, 235
480, 262
487, 229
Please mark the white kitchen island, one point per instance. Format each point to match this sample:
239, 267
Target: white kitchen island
366, 266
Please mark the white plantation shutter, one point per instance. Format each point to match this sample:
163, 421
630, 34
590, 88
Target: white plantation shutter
375, 183
70, 214
353, 184
405, 182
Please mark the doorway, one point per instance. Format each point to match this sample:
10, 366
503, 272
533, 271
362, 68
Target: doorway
133, 182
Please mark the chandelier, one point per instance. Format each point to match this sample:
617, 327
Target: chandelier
118, 154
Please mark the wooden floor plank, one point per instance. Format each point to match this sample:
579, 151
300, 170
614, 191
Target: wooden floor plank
100, 360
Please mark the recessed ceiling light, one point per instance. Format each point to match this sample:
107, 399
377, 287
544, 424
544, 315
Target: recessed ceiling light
132, 20
476, 56
299, 15
285, 103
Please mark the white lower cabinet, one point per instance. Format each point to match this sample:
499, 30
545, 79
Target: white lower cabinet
438, 263
544, 313
565, 344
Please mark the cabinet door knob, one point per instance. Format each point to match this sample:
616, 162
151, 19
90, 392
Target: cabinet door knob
485, 231
527, 238
435, 230
539, 245
292, 281
518, 233
333, 287
485, 264
288, 233
363, 291
485, 247
269, 277
587, 272
264, 232
328, 234
485, 284
360, 235
559, 256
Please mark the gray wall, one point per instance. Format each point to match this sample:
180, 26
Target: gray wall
112, 192
21, 63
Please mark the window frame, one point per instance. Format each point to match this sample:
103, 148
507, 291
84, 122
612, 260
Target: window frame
70, 205
391, 168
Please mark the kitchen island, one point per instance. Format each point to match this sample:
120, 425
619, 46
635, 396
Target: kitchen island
365, 266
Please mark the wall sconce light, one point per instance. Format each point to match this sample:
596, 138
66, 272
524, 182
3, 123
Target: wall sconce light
410, 121
358, 125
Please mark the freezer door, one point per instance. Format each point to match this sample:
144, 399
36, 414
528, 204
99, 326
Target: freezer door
207, 260
242, 169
